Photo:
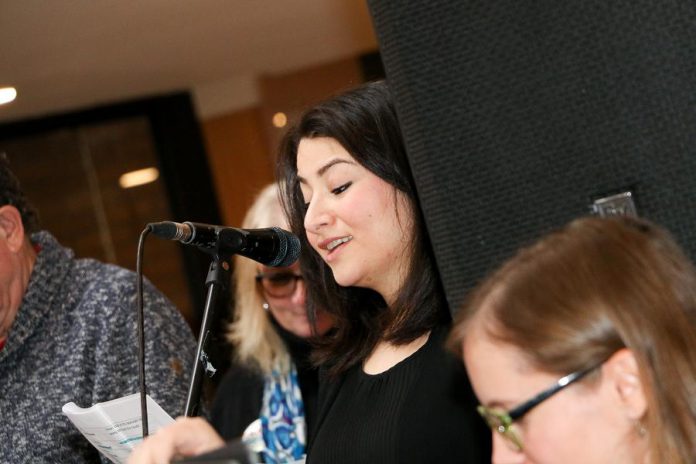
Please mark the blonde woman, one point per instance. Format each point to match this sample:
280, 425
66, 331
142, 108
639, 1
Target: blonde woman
271, 389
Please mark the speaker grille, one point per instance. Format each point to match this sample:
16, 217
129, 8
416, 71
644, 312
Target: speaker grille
516, 115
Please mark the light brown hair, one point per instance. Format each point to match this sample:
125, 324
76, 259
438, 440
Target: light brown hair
598, 285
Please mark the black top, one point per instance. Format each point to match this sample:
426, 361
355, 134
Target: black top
237, 402
422, 410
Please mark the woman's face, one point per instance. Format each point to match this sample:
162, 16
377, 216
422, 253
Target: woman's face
580, 424
285, 295
359, 224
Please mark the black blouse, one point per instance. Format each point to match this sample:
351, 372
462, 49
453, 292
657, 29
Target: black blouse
422, 410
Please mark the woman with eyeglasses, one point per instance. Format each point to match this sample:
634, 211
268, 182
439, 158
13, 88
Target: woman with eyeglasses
582, 348
270, 391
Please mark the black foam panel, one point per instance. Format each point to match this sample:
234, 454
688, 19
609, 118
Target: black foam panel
518, 114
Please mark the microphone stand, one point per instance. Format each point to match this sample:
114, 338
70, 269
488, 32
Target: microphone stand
217, 279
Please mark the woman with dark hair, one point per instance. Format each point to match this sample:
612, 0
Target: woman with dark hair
581, 348
362, 126
392, 394
389, 392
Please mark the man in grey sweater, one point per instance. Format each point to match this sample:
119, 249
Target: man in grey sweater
68, 333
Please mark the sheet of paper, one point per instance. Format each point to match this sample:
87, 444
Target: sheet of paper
114, 427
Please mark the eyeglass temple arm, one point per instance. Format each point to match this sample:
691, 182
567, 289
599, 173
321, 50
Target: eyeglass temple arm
563, 382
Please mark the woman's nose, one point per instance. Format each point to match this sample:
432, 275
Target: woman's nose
299, 296
503, 453
317, 215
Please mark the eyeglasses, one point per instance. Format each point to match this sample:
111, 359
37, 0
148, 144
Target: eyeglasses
502, 421
278, 284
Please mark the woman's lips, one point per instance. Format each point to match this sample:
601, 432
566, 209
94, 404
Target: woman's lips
331, 244
338, 242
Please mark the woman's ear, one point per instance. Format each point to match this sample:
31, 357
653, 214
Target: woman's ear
621, 370
11, 227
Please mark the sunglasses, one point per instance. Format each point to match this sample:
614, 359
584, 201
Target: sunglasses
502, 421
279, 284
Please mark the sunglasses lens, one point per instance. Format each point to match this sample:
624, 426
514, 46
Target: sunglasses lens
280, 280
279, 284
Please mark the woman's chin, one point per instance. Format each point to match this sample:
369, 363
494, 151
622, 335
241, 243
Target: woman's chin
344, 279
302, 332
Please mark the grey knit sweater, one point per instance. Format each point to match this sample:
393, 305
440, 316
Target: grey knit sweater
74, 339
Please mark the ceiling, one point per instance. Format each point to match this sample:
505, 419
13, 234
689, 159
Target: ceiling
64, 55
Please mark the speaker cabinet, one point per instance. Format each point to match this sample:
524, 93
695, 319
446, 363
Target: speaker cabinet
519, 115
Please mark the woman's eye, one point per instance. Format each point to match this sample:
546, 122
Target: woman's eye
341, 189
280, 278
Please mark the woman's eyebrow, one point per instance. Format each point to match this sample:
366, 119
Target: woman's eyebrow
322, 170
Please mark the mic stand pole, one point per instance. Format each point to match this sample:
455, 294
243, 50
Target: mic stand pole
217, 279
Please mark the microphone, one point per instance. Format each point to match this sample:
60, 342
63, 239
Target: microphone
273, 246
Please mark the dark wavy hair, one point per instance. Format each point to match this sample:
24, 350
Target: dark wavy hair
12, 194
364, 122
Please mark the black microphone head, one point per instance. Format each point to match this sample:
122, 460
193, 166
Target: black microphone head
289, 248
165, 229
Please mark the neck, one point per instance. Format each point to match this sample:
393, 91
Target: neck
387, 355
391, 292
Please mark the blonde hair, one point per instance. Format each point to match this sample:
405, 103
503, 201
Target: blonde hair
251, 332
590, 289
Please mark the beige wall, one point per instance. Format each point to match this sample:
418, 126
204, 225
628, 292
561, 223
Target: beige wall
242, 145
239, 160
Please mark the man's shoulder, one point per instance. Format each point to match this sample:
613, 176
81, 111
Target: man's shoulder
111, 281
100, 271
108, 290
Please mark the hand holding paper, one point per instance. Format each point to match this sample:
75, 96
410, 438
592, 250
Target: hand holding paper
188, 436
114, 427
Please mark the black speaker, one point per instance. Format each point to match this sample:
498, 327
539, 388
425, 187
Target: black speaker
521, 115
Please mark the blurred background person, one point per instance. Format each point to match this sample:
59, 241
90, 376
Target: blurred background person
68, 333
582, 348
272, 384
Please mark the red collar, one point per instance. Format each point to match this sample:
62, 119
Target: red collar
2, 344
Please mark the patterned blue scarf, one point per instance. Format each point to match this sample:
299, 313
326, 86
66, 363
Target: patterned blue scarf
282, 418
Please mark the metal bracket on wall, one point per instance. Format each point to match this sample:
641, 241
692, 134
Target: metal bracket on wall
613, 205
